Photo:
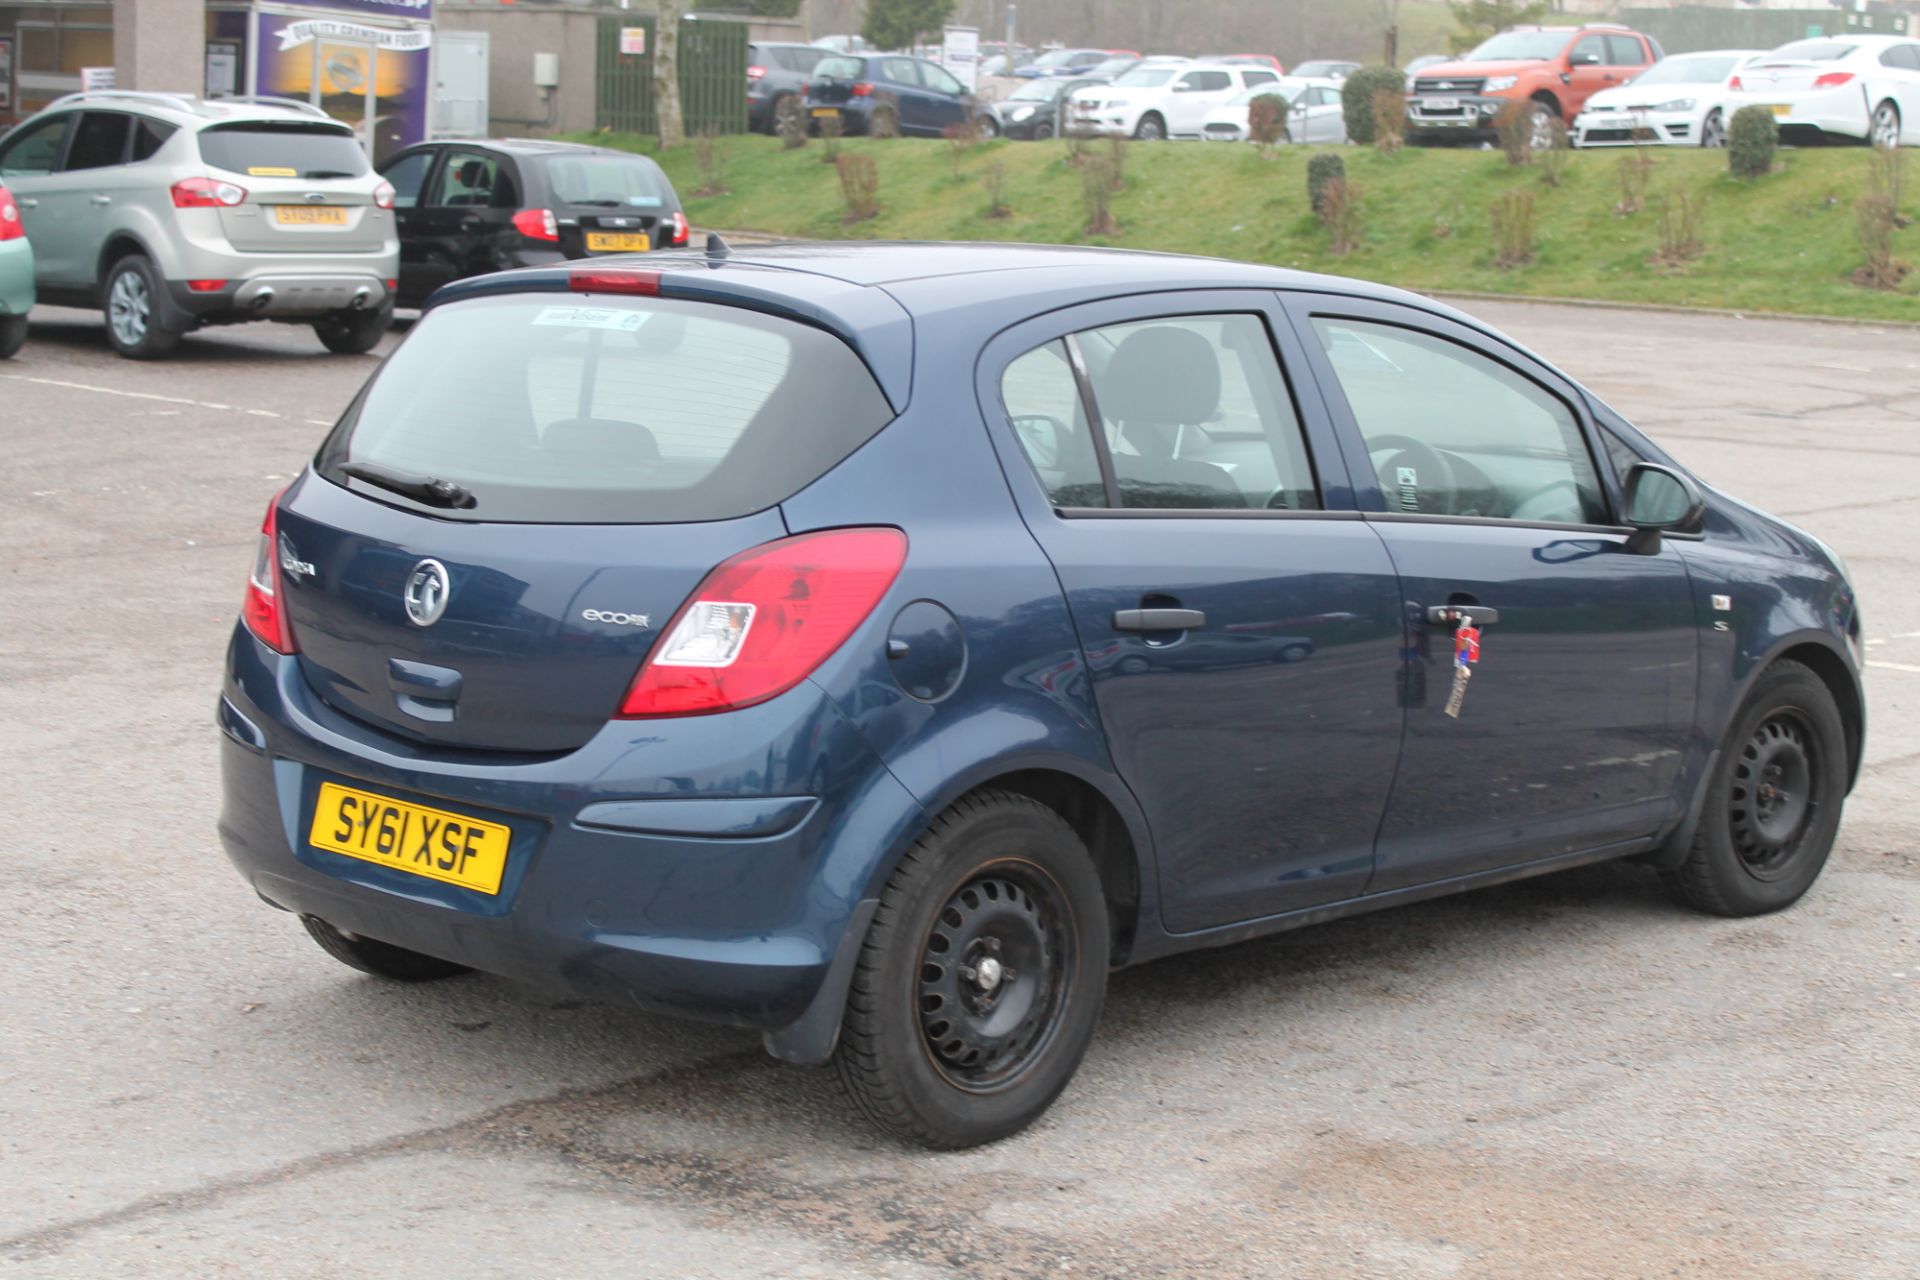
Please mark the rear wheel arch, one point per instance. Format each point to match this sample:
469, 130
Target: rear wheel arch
119, 245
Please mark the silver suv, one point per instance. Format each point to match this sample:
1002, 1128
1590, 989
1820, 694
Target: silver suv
168, 213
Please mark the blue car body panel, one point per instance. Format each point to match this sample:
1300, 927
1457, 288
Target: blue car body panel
1286, 766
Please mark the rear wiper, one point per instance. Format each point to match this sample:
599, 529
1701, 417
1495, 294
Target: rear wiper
604, 204
439, 493
332, 173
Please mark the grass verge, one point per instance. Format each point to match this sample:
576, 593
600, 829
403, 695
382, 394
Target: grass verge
1783, 243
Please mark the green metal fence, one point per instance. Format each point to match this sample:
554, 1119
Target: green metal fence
1690, 29
713, 76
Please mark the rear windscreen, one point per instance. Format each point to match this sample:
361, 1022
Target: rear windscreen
277, 149
612, 182
576, 409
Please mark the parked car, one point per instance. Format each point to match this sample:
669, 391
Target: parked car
1424, 61
1550, 71
777, 76
843, 43
1062, 62
1266, 60
16, 277
1314, 114
1036, 110
1679, 101
1325, 69
470, 208
169, 213
1854, 86
1155, 102
613, 640
890, 93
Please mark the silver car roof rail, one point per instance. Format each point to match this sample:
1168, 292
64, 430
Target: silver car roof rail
178, 101
268, 100
186, 101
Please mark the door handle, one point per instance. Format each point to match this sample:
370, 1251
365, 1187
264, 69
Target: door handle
1447, 615
1158, 619
99, 199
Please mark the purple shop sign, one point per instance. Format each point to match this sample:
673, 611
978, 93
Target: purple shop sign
379, 8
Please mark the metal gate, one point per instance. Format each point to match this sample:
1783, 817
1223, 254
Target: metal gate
1689, 29
713, 75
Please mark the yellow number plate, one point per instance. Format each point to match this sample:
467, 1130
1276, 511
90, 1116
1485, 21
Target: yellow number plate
826, 111
410, 837
309, 215
618, 242
1782, 109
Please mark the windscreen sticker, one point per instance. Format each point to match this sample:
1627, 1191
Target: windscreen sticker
623, 320
271, 171
644, 202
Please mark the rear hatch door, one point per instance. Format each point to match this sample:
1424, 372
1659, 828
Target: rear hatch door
308, 187
833, 81
607, 202
601, 455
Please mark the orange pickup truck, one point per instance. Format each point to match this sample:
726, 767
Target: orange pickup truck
1552, 69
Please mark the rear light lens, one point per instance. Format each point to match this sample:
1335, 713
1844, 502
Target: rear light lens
383, 196
537, 224
862, 90
644, 283
1833, 80
11, 228
207, 193
754, 73
206, 286
1735, 84
679, 228
764, 621
264, 609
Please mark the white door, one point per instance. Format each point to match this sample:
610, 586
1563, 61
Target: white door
460, 84
1195, 96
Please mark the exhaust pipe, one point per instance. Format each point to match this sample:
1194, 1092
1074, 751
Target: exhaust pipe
361, 296
262, 300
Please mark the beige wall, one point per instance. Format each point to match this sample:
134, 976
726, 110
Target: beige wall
160, 45
517, 109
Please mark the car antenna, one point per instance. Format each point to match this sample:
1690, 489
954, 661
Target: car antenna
717, 251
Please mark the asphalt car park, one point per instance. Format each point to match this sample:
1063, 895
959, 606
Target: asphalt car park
1567, 1076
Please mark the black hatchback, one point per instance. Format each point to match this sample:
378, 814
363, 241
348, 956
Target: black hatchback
467, 208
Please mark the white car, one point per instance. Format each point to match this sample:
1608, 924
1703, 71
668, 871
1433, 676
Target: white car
1314, 113
1865, 87
1157, 102
1679, 101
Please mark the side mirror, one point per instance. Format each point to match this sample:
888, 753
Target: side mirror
1659, 500
1584, 60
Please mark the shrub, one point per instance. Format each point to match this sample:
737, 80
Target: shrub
1634, 170
1321, 170
1340, 215
1079, 145
1389, 120
884, 120
859, 186
1887, 179
1513, 230
1751, 139
790, 123
1267, 119
710, 158
1682, 219
961, 138
995, 179
1514, 126
1558, 156
1096, 194
831, 127
1356, 99
1875, 219
1117, 164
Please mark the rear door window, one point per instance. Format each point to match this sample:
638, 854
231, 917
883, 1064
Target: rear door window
562, 408
280, 149
100, 141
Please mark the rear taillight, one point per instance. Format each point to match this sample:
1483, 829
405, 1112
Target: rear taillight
383, 196
536, 224
764, 621
11, 228
206, 193
862, 90
754, 73
644, 283
1833, 80
1734, 84
265, 608
679, 228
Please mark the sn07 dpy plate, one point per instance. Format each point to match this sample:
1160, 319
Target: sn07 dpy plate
436, 844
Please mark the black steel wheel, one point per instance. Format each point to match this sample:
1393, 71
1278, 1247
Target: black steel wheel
1773, 805
13, 335
981, 977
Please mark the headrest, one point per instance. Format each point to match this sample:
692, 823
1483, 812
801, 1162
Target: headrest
471, 173
1161, 374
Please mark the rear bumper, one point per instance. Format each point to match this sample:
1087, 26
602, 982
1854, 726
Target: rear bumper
1838, 112
282, 296
685, 893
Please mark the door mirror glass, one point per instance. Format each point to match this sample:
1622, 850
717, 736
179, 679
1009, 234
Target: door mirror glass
1660, 498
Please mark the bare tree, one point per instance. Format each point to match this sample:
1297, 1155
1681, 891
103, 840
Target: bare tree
666, 73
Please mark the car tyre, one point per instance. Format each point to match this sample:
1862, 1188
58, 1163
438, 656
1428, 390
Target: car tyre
1773, 801
1885, 130
381, 959
135, 327
986, 128
981, 977
1041, 132
353, 333
1713, 130
1152, 128
13, 335
1541, 116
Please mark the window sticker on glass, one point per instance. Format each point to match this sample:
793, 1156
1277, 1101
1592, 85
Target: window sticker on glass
592, 318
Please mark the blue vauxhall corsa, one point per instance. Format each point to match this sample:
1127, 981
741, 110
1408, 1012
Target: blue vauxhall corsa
875, 645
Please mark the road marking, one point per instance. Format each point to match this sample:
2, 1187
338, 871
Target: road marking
133, 395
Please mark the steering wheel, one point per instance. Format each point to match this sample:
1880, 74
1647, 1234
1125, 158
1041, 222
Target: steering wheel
1420, 458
